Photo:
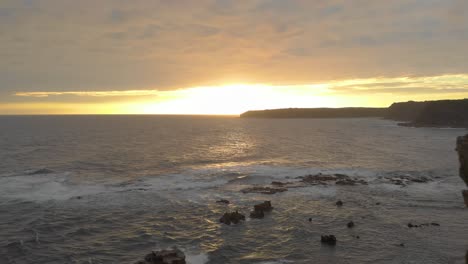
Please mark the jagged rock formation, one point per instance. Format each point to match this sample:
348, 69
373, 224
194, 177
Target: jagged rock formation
348, 112
462, 149
233, 217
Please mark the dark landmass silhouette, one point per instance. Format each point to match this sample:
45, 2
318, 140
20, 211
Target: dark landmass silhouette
442, 113
348, 112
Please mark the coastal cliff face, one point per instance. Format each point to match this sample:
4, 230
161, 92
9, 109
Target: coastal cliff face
405, 111
443, 113
462, 149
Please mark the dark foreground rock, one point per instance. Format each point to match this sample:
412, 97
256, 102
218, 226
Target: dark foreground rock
350, 224
232, 217
339, 203
328, 239
171, 256
462, 149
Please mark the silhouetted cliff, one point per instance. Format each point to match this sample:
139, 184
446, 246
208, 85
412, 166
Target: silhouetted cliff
349, 112
443, 113
446, 113
405, 111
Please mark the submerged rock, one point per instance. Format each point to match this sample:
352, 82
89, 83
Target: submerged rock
265, 206
41, 171
410, 225
171, 256
257, 214
328, 239
350, 224
462, 149
339, 203
264, 190
224, 201
232, 217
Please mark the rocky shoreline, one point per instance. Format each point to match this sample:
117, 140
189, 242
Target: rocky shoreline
176, 256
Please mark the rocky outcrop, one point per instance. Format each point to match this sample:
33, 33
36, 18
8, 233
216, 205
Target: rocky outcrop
171, 256
462, 149
233, 217
260, 209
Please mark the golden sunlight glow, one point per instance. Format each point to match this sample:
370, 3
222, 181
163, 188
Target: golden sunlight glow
234, 99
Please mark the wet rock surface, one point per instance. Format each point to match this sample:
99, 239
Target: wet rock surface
171, 256
232, 218
328, 239
260, 209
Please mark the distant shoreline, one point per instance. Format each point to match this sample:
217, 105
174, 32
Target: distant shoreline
442, 113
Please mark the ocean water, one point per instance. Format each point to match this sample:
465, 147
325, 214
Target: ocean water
109, 189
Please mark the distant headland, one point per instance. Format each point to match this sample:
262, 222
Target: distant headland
442, 113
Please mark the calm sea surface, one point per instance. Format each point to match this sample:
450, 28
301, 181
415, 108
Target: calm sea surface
109, 189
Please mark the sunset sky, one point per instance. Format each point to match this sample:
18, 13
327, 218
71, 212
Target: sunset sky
226, 57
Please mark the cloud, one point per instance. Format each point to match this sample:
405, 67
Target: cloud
66, 45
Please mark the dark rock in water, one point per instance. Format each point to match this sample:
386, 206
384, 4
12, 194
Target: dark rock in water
350, 224
462, 149
257, 214
224, 201
265, 206
357, 237
410, 225
233, 217
172, 256
260, 209
402, 245
328, 239
264, 190
377, 203
78, 197
310, 219
339, 203
278, 183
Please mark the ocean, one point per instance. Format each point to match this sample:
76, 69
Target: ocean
110, 189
